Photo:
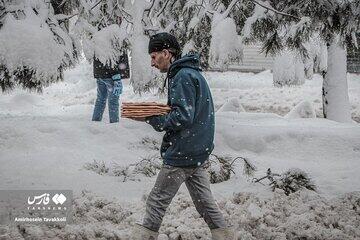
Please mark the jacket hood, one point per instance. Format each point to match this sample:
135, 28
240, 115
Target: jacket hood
190, 60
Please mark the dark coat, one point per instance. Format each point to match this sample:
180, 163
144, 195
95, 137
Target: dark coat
190, 125
106, 71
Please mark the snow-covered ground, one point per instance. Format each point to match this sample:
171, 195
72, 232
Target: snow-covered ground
46, 140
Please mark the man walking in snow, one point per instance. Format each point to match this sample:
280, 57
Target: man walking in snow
187, 143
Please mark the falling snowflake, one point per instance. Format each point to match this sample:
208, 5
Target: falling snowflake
189, 107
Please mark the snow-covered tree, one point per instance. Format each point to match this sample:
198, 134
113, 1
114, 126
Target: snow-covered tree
316, 59
35, 45
226, 44
101, 30
210, 27
288, 69
293, 23
107, 28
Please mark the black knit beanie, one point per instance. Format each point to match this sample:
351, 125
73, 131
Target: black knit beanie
164, 40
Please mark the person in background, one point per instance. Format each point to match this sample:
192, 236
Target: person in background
109, 87
187, 143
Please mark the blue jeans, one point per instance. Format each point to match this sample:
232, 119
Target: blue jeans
105, 91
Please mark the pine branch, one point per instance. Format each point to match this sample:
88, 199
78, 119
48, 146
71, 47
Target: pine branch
163, 8
148, 10
274, 10
75, 14
290, 181
128, 15
229, 8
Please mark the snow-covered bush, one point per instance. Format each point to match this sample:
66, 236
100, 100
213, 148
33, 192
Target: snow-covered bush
148, 166
288, 70
221, 168
150, 143
98, 167
290, 181
35, 47
226, 44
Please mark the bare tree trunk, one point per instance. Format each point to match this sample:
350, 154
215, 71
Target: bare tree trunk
336, 105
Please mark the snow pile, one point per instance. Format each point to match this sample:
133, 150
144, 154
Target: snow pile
288, 69
301, 215
232, 105
303, 110
225, 44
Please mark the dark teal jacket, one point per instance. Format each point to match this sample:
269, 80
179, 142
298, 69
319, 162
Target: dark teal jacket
190, 125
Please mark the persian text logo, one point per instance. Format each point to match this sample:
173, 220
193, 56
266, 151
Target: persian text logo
44, 199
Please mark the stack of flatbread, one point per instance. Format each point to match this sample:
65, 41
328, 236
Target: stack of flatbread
143, 109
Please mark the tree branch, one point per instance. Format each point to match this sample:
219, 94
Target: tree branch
274, 10
96, 5
128, 15
229, 8
75, 14
163, 8
149, 9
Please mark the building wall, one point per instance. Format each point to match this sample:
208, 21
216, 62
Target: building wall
253, 60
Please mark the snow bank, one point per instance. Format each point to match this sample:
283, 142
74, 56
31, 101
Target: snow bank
278, 143
302, 215
232, 105
303, 110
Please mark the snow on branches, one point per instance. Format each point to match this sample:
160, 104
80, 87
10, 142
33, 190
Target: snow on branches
35, 46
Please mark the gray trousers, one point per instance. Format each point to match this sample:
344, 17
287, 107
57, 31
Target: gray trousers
168, 183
